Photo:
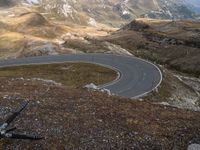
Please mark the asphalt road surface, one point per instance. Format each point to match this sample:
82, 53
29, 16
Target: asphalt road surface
137, 77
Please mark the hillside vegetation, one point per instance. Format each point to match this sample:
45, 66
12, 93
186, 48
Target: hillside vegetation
172, 43
26, 32
68, 116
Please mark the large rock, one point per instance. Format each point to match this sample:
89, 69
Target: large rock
194, 147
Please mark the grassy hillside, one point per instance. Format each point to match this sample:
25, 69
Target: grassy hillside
171, 43
26, 32
67, 116
72, 75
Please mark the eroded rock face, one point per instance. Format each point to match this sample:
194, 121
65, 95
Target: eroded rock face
115, 12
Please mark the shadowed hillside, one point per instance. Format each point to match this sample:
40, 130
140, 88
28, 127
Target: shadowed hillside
32, 19
173, 43
6, 3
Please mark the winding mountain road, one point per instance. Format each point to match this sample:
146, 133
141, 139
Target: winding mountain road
137, 77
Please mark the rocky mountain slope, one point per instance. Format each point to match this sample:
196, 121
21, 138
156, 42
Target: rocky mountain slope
115, 12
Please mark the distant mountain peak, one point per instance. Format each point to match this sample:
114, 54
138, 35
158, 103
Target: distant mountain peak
116, 12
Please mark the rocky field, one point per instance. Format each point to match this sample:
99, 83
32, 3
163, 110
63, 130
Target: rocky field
71, 117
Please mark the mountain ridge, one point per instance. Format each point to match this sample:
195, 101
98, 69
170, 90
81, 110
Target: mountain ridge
116, 12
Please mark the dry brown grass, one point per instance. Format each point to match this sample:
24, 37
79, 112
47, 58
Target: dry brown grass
78, 119
175, 44
26, 33
32, 23
72, 75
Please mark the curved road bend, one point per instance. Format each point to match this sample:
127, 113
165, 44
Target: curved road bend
137, 77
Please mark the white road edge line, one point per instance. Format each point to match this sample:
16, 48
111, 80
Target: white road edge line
120, 75
161, 79
161, 75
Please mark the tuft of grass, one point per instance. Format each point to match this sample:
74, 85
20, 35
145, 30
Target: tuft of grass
74, 75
